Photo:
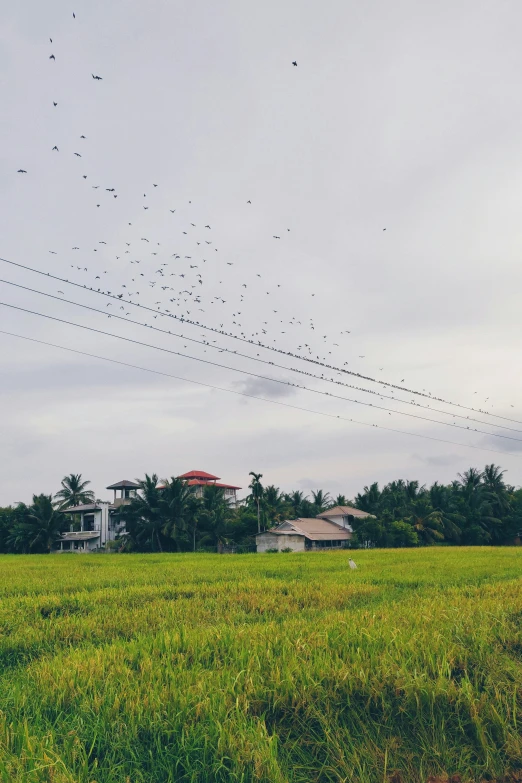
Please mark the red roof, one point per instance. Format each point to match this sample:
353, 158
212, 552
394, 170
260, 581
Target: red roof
199, 474
199, 483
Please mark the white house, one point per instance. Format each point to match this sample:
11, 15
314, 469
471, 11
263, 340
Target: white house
94, 524
343, 516
329, 530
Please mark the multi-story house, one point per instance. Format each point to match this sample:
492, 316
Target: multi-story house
95, 524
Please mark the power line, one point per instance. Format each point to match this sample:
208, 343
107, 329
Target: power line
251, 396
251, 374
259, 344
282, 367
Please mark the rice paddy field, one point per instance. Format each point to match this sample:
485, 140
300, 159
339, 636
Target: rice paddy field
273, 667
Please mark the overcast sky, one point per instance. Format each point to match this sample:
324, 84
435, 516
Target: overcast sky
405, 116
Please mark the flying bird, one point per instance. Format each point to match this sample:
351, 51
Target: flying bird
52, 57
77, 154
249, 202
74, 15
98, 78
55, 148
294, 62
54, 103
21, 171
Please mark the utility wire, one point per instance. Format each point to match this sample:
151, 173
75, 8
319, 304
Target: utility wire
279, 366
251, 396
258, 343
251, 374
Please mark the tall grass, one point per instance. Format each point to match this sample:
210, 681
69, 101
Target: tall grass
148, 669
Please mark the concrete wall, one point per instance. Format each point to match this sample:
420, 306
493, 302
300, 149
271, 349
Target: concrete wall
269, 540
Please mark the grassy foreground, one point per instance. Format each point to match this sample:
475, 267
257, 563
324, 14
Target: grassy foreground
275, 667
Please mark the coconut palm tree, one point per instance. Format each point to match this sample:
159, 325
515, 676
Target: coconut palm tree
74, 492
427, 522
370, 499
493, 481
274, 504
40, 527
145, 515
321, 500
176, 507
295, 500
215, 516
256, 494
340, 500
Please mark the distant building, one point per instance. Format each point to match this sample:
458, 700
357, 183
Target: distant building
199, 480
330, 530
343, 516
95, 524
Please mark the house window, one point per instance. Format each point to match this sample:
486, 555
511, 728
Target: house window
88, 523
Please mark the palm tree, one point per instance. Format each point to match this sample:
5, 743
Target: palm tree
295, 500
476, 503
74, 492
370, 499
427, 522
145, 515
340, 500
216, 515
321, 500
41, 526
274, 504
256, 494
493, 481
176, 505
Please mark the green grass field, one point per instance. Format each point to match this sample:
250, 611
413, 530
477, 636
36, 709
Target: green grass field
275, 667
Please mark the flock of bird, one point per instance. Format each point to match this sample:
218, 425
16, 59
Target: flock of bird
184, 279
179, 274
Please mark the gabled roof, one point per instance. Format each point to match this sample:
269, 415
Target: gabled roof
343, 511
312, 528
124, 485
198, 474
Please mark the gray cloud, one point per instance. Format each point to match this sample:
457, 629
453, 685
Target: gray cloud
512, 446
259, 387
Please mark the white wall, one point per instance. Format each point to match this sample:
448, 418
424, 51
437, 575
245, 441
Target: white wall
269, 540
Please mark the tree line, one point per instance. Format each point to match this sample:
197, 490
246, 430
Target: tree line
478, 507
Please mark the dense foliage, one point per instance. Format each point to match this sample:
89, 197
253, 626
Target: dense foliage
167, 516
